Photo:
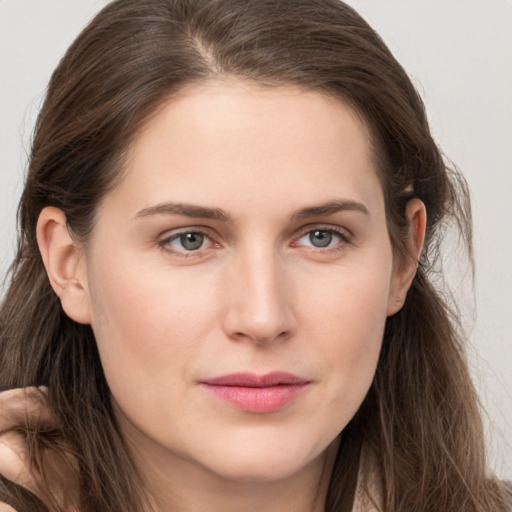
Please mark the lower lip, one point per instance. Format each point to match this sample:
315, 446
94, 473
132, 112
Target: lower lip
265, 399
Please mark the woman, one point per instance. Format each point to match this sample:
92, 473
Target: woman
222, 283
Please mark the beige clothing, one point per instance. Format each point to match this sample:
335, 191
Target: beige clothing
363, 501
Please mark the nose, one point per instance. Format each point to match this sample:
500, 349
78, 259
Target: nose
260, 297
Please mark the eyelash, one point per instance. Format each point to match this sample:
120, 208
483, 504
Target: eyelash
344, 235
164, 244
345, 238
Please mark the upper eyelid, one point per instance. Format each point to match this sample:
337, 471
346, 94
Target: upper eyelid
323, 227
303, 229
176, 232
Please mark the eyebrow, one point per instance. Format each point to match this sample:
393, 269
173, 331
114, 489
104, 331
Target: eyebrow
330, 208
186, 210
203, 212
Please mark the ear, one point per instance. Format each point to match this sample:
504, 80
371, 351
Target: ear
405, 269
65, 266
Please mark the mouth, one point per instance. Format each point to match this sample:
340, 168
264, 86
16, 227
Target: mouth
257, 393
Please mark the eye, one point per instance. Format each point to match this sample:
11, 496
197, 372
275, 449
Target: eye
320, 238
323, 238
190, 241
186, 243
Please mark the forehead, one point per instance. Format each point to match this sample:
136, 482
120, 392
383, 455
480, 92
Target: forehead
222, 140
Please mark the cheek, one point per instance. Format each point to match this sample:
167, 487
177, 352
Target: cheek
346, 320
148, 325
348, 306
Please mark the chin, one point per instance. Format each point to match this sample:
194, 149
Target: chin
255, 471
264, 465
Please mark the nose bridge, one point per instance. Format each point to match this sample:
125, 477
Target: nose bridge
259, 307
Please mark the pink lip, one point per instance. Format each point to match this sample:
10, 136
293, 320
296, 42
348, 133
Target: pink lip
257, 393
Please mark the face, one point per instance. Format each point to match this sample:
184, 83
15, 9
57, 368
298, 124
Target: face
239, 278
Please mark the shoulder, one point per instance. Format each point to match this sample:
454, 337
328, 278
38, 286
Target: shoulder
369, 492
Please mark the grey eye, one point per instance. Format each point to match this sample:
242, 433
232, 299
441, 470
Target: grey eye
319, 238
191, 241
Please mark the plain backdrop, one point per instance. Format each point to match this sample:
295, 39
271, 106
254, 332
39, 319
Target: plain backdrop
459, 55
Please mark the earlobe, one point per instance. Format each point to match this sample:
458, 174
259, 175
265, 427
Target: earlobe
406, 269
62, 258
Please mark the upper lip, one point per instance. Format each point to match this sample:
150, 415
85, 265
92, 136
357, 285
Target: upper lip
252, 380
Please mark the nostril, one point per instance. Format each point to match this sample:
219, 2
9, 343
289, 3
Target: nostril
260, 338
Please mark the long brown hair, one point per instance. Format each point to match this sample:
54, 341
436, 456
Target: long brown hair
420, 422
